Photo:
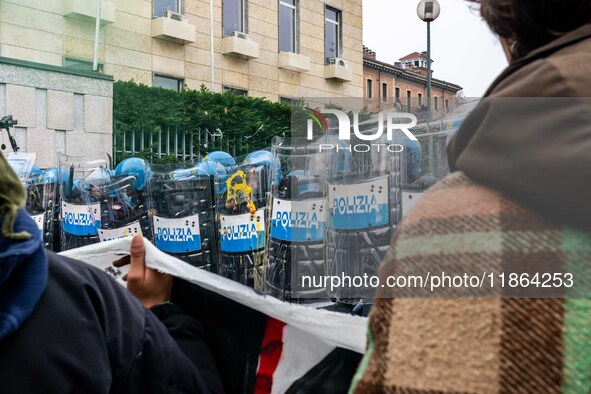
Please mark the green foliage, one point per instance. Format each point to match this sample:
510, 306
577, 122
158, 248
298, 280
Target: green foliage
247, 123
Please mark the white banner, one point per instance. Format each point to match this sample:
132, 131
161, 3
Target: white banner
336, 329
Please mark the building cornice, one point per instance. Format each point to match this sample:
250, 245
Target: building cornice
401, 73
57, 69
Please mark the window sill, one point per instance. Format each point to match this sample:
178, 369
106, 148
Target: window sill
241, 47
339, 72
294, 61
173, 30
86, 10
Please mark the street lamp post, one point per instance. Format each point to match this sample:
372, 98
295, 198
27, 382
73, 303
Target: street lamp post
428, 11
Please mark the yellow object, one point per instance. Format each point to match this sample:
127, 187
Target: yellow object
239, 191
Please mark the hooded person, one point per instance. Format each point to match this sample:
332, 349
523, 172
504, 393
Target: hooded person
68, 327
516, 208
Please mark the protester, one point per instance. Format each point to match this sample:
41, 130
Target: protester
67, 327
519, 197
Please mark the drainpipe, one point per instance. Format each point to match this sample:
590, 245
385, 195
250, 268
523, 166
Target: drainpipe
380, 90
97, 30
211, 44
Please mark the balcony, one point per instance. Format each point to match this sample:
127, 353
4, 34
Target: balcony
240, 44
173, 27
86, 10
338, 69
294, 62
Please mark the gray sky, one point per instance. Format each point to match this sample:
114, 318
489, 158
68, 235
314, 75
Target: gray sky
463, 48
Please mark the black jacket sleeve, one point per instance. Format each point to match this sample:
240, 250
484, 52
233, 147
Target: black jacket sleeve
191, 338
143, 355
160, 366
88, 334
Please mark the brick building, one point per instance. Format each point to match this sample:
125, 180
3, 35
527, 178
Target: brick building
403, 84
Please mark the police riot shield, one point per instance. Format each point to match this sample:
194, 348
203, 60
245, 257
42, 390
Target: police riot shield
22, 164
295, 246
122, 195
242, 197
80, 205
122, 213
364, 206
181, 214
425, 160
41, 194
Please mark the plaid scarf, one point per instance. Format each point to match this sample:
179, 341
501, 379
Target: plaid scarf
479, 344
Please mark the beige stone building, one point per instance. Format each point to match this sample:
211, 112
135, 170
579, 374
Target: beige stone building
264, 48
57, 67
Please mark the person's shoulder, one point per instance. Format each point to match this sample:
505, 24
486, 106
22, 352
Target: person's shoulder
571, 64
560, 74
80, 277
66, 267
540, 78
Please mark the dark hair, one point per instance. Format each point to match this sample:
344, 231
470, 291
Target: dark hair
533, 23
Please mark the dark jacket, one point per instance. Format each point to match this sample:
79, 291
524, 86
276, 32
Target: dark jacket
530, 138
87, 334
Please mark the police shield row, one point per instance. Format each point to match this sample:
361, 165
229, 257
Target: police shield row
277, 220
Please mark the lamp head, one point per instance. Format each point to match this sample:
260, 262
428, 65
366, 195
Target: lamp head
428, 10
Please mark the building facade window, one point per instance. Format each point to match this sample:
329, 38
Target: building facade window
408, 100
397, 94
332, 34
419, 100
162, 81
436, 103
234, 16
289, 25
80, 65
446, 104
384, 92
161, 6
235, 91
369, 89
287, 100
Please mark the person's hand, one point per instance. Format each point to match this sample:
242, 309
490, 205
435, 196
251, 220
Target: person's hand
149, 286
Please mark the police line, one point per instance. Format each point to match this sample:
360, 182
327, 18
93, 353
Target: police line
263, 220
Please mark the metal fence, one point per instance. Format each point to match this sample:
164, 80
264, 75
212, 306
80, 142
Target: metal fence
169, 141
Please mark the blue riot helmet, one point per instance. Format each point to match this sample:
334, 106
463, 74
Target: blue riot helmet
221, 157
54, 175
216, 171
35, 172
186, 173
80, 188
99, 177
79, 184
265, 158
265, 154
136, 167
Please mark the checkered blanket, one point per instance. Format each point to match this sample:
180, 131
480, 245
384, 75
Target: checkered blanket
480, 342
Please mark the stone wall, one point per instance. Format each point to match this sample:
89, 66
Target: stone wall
57, 111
